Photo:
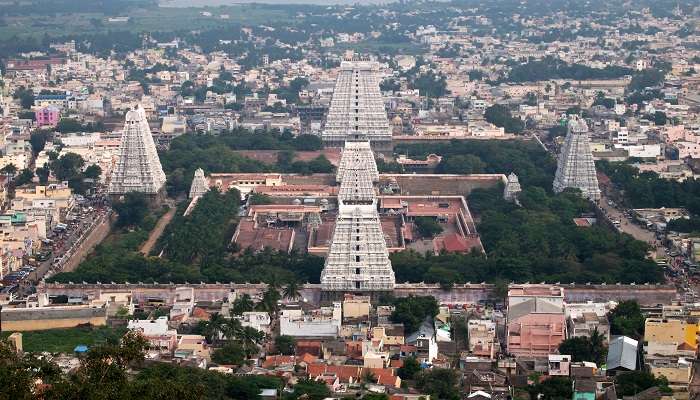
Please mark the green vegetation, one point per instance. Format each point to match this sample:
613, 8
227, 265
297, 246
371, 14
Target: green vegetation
195, 249
410, 368
633, 382
536, 242
309, 389
627, 319
553, 388
131, 210
439, 383
428, 227
647, 190
285, 345
204, 234
412, 311
218, 154
500, 116
554, 68
65, 340
584, 348
115, 370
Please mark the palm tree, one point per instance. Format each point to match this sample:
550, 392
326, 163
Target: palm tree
231, 329
250, 338
213, 330
598, 350
9, 169
242, 304
292, 290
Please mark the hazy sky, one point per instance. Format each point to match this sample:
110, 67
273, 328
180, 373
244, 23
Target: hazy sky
202, 3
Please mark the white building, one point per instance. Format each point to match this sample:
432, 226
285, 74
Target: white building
324, 322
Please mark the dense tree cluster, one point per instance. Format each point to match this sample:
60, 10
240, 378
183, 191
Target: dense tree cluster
585, 348
500, 116
648, 190
204, 234
412, 311
218, 154
554, 68
115, 371
536, 242
627, 319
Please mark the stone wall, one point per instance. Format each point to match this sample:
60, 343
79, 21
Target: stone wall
648, 295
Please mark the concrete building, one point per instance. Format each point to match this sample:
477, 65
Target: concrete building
324, 322
138, 168
536, 324
357, 109
575, 167
482, 338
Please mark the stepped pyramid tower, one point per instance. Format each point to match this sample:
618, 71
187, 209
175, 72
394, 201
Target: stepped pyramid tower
358, 259
138, 168
575, 166
357, 108
200, 184
512, 189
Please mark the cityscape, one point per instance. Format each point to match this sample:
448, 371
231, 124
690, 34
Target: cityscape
378, 200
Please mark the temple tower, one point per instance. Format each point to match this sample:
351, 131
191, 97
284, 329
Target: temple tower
512, 189
138, 168
575, 166
200, 184
358, 258
357, 110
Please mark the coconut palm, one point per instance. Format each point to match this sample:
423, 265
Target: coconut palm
292, 290
213, 330
250, 338
242, 304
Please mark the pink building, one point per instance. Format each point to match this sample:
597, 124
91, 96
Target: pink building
48, 116
536, 322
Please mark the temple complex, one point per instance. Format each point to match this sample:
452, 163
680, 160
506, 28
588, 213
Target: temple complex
575, 166
138, 168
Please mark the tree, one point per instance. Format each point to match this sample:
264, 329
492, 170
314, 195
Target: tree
410, 368
21, 373
93, 171
67, 167
285, 345
439, 383
242, 304
43, 174
413, 310
9, 169
553, 388
660, 118
229, 354
461, 164
131, 210
428, 227
633, 382
309, 389
38, 140
627, 319
25, 176
500, 116
291, 291
584, 348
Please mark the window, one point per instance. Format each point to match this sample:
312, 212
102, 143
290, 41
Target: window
357, 258
357, 271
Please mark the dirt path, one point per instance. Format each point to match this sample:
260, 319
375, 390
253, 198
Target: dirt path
157, 231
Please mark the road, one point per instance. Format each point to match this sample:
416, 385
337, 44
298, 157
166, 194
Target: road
66, 244
157, 231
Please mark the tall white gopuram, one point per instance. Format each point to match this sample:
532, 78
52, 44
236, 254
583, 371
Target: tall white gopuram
575, 166
512, 189
138, 168
357, 108
358, 259
200, 184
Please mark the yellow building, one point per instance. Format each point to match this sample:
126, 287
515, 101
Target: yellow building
356, 306
676, 332
42, 318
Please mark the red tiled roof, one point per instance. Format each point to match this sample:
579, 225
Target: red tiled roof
275, 361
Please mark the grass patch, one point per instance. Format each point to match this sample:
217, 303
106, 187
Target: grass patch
65, 340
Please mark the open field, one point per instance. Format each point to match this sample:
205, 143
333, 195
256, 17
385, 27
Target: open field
65, 340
